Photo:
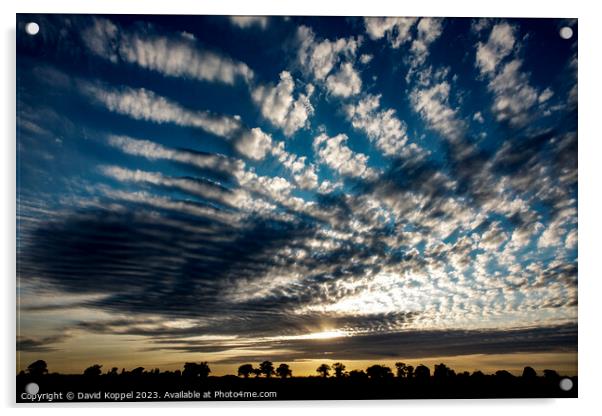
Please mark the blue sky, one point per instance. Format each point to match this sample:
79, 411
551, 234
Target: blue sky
249, 186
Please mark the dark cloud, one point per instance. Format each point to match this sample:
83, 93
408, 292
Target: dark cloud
44, 344
415, 344
174, 265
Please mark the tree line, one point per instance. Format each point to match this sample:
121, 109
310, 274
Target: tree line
338, 370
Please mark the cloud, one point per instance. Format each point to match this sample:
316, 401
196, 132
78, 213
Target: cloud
142, 104
344, 83
395, 29
493, 237
304, 174
365, 58
545, 95
421, 344
168, 55
514, 97
433, 105
40, 344
254, 144
381, 126
278, 105
334, 153
319, 57
223, 168
429, 29
154, 151
499, 45
245, 22
194, 186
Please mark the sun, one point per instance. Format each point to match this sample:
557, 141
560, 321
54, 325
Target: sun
325, 335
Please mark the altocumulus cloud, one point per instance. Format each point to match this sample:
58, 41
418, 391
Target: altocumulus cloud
423, 209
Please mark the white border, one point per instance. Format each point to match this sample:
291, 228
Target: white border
589, 188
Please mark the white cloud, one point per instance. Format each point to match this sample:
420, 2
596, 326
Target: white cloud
555, 230
429, 30
320, 57
305, 175
254, 144
571, 239
334, 152
171, 56
493, 237
308, 179
344, 83
235, 198
478, 117
245, 22
154, 151
514, 97
164, 203
433, 105
273, 188
500, 44
278, 105
366, 58
381, 126
142, 104
395, 29
545, 95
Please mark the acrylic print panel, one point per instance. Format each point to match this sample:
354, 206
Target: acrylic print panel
274, 208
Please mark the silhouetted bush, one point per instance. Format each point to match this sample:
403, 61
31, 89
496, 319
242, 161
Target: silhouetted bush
37, 368
196, 370
245, 370
379, 372
93, 370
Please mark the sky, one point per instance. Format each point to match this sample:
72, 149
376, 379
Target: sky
300, 189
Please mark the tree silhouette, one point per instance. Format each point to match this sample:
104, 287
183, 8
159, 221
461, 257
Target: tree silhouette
402, 370
443, 373
284, 371
339, 369
267, 368
478, 375
93, 370
529, 373
37, 368
377, 371
323, 370
503, 375
422, 374
357, 375
376, 381
409, 372
194, 370
245, 370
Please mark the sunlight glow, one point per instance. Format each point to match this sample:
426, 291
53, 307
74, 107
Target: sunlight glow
328, 334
